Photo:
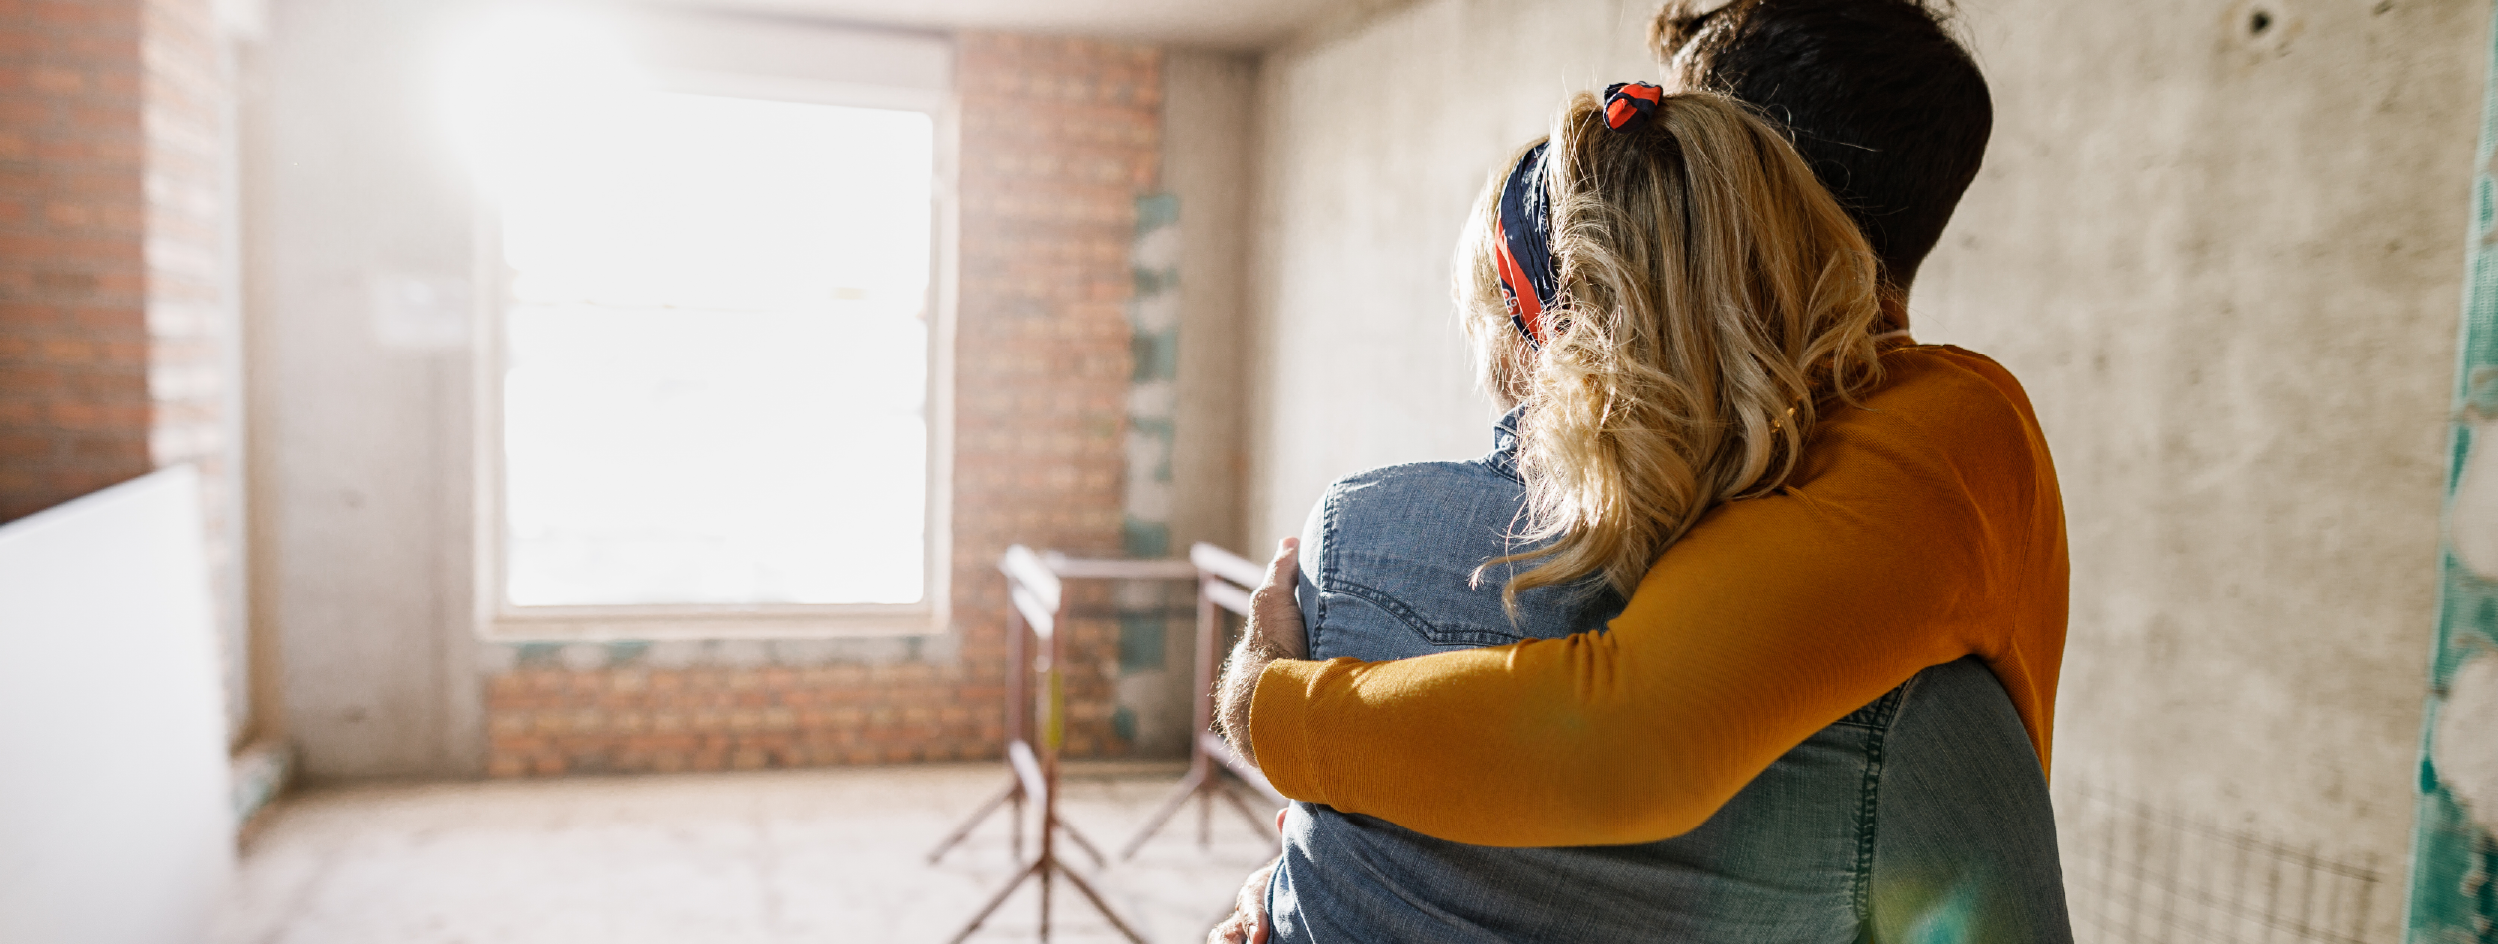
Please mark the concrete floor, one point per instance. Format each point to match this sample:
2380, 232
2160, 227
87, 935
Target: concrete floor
778, 856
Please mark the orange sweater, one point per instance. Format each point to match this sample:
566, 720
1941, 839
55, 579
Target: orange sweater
1920, 528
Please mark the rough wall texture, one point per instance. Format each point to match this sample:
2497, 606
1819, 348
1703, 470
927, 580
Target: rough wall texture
1059, 137
2224, 260
117, 326
1207, 170
1209, 164
2224, 252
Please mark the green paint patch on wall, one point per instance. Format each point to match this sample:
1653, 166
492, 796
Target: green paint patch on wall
1141, 647
2454, 870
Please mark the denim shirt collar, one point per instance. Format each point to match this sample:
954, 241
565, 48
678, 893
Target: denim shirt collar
1504, 456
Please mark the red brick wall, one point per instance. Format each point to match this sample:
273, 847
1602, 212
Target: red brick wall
1059, 137
74, 408
113, 282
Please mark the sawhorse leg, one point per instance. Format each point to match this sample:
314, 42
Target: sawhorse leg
1044, 871
1014, 826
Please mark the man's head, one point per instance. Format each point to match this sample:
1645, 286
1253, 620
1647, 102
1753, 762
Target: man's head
1888, 110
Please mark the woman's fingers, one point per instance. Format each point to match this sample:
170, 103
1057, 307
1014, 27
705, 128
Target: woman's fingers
1273, 611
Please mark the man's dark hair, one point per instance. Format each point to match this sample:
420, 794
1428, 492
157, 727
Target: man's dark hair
1888, 109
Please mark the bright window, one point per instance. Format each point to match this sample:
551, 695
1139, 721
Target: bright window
716, 349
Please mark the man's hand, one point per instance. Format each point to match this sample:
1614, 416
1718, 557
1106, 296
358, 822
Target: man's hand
1274, 632
1248, 922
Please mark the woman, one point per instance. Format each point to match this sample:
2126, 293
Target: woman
1675, 302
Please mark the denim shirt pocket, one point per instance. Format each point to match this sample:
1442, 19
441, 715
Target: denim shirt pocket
1388, 557
1364, 617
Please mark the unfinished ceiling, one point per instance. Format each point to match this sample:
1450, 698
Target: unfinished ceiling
1223, 24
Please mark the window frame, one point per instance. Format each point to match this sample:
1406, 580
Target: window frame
498, 619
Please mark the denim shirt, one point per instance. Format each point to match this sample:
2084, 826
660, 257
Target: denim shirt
1920, 817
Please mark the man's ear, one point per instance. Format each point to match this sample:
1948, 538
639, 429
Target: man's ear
1670, 30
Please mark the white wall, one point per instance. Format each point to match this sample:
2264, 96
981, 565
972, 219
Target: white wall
1373, 145
361, 411
115, 825
1208, 161
2226, 266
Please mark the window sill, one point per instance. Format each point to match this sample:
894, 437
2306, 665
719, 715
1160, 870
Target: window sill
654, 623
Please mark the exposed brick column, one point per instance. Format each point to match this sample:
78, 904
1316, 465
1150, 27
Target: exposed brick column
1059, 137
116, 326
114, 282
74, 402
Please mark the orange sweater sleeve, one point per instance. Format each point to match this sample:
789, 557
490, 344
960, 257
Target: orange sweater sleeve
1921, 527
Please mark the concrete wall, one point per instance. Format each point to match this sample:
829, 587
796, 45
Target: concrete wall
1374, 142
360, 486
2225, 262
1208, 166
1208, 163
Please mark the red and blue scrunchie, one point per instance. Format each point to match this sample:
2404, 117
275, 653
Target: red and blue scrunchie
1530, 276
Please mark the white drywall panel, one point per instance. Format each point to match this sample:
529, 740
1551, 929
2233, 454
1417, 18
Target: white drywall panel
114, 819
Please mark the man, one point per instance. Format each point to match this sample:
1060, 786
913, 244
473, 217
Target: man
1955, 837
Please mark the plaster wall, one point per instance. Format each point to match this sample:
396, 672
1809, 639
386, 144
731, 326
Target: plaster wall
359, 465
2225, 261
1207, 165
1375, 140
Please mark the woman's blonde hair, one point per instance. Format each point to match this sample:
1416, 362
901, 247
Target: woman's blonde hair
1713, 300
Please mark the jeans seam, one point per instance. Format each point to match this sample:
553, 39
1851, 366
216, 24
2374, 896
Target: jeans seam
1326, 566
1869, 797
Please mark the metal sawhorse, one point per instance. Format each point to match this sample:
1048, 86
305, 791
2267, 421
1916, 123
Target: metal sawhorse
1224, 580
1036, 585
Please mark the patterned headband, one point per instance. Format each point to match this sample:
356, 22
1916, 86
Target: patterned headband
1530, 279
1530, 276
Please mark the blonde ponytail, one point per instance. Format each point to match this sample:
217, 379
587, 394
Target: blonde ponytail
1714, 299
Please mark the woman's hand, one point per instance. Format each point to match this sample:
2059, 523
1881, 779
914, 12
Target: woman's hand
1275, 632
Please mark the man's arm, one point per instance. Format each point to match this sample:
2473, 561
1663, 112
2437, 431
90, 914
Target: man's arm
1922, 529
1274, 632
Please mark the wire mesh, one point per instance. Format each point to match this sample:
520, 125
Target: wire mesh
2140, 873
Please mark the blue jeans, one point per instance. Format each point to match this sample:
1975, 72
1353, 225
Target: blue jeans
1922, 817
